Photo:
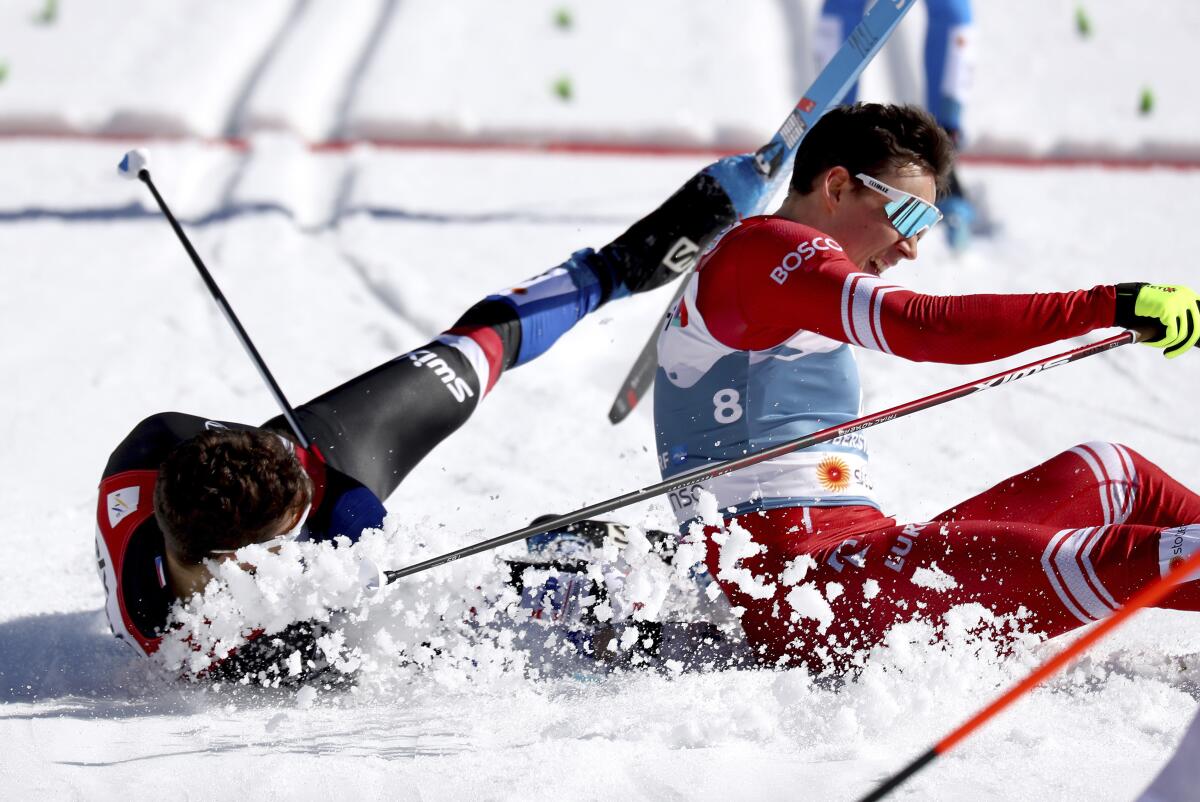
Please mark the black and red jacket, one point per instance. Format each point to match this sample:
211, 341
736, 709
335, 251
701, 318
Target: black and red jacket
129, 543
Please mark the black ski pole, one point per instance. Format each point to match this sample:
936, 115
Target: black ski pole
701, 474
135, 164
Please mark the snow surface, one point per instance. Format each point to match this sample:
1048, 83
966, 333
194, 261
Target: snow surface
674, 72
338, 260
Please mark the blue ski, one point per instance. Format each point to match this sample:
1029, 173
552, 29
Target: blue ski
750, 191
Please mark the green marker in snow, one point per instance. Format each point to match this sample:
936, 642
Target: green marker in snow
1146, 102
48, 14
563, 89
1082, 23
563, 19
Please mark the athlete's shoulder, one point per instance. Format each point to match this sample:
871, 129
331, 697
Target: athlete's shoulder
765, 251
342, 506
771, 238
768, 227
147, 445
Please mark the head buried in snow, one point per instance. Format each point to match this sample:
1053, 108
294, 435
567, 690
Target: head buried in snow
225, 489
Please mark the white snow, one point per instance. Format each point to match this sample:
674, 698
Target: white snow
683, 72
934, 578
736, 543
337, 260
795, 571
807, 602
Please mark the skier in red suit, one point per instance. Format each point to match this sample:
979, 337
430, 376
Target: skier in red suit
758, 352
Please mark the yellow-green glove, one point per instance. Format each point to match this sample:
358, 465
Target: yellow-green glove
1174, 310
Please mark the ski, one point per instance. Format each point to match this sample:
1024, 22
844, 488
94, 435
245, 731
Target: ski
772, 159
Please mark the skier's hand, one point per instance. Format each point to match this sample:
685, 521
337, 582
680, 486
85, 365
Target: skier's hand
1174, 310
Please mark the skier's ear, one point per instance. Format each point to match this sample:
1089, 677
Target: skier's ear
835, 185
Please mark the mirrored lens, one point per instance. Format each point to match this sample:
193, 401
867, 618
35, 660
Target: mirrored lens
912, 215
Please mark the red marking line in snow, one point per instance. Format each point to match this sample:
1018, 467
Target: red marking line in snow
1025, 161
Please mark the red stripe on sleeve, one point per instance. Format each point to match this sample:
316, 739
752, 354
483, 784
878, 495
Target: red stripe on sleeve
493, 349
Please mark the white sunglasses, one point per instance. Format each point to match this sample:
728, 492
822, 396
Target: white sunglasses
291, 534
907, 213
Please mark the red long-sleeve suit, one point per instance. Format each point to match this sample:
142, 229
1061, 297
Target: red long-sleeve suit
762, 331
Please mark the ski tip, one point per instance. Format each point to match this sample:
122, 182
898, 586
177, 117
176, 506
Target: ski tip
623, 405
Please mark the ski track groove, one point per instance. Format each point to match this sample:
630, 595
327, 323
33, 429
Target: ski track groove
237, 113
386, 295
229, 210
346, 103
236, 176
341, 199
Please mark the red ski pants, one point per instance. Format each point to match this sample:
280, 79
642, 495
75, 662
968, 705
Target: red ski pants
1067, 541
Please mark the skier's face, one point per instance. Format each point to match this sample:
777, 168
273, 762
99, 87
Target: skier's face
861, 225
291, 530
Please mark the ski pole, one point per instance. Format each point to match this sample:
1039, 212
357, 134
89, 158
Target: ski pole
703, 473
135, 164
1146, 597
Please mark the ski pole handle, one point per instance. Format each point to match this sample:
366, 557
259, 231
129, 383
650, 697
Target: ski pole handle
1149, 332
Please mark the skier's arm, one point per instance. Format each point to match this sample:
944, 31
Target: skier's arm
961, 329
288, 658
783, 286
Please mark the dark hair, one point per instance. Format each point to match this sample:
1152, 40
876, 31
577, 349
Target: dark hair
872, 138
225, 489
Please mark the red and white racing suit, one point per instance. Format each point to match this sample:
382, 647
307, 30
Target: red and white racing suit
757, 353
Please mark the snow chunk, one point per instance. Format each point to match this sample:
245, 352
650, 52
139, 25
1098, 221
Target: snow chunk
629, 638
934, 578
795, 571
639, 579
808, 602
736, 544
689, 553
706, 508
305, 697
603, 611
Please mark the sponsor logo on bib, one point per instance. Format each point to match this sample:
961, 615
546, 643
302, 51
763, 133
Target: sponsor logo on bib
834, 474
